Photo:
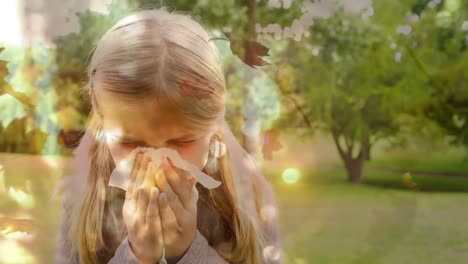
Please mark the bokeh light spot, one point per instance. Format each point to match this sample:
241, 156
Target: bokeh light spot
291, 175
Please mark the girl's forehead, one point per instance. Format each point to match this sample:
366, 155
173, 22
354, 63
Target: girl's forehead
142, 115
146, 120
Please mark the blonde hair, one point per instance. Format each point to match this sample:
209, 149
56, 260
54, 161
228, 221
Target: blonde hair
149, 54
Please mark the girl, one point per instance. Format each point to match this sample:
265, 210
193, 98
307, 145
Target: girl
156, 78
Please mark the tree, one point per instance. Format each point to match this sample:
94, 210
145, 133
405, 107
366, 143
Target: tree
349, 82
438, 45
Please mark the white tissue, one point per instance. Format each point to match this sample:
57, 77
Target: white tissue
121, 175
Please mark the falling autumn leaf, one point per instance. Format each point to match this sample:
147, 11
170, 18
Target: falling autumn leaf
250, 52
271, 143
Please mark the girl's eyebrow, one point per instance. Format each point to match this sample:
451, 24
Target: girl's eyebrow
184, 136
131, 138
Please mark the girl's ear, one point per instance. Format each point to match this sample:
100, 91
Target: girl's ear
217, 148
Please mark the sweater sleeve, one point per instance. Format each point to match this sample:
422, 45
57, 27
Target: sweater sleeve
200, 252
64, 253
124, 254
63, 249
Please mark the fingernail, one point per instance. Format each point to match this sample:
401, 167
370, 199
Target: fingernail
163, 196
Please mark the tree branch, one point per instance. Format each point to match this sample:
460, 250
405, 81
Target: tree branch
301, 111
21, 97
336, 139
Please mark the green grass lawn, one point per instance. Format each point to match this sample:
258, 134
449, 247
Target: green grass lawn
324, 219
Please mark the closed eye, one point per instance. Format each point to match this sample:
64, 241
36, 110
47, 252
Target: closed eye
184, 142
125, 142
178, 142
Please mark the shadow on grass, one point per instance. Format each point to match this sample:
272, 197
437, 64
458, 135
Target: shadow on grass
431, 184
384, 180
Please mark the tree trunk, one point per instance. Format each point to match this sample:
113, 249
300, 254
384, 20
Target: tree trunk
366, 146
354, 169
353, 165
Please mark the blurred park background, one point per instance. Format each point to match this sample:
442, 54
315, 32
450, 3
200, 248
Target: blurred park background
357, 112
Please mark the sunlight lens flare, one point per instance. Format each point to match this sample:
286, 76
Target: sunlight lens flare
291, 175
10, 233
24, 199
111, 134
12, 252
52, 162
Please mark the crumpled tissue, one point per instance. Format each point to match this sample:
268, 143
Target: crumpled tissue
121, 175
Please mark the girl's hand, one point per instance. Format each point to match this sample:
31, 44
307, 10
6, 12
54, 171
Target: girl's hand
178, 208
141, 213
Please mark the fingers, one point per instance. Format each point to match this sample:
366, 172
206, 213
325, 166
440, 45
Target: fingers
143, 200
194, 200
169, 221
153, 220
170, 196
148, 181
131, 192
145, 188
188, 179
181, 184
136, 165
142, 172
193, 181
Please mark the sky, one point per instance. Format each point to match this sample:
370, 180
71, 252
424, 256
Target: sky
39, 21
